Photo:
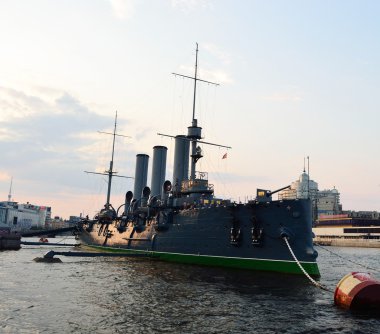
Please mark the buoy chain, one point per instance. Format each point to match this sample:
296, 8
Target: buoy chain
314, 282
348, 260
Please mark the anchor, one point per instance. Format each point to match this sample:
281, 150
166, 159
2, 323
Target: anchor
49, 256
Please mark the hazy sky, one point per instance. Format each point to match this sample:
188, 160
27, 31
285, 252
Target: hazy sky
297, 79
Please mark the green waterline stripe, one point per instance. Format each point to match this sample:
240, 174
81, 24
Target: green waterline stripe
286, 265
124, 250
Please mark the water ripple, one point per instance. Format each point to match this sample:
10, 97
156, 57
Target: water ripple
119, 295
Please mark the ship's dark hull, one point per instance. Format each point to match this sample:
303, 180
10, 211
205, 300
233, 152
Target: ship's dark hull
248, 236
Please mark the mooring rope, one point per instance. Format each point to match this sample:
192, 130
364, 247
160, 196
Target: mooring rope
63, 239
348, 260
314, 282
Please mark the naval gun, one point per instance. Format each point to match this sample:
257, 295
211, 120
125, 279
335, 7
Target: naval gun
263, 195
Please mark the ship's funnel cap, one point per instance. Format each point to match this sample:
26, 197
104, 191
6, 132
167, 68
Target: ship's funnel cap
146, 192
167, 186
128, 196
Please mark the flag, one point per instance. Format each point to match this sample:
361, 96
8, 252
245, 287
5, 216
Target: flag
224, 156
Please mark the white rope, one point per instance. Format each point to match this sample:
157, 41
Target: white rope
314, 282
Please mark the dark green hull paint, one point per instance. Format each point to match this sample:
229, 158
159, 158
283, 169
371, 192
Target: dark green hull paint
289, 267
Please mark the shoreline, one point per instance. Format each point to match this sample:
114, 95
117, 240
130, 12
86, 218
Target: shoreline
341, 242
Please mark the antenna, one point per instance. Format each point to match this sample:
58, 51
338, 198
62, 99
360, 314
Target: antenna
10, 190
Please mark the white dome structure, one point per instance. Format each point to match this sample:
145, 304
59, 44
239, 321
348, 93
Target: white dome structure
325, 202
302, 188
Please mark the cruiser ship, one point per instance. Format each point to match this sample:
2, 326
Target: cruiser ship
183, 221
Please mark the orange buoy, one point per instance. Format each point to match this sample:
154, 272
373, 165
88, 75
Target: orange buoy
358, 291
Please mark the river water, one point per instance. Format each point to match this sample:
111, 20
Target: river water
119, 295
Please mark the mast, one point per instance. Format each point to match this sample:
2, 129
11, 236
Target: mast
194, 131
10, 190
195, 81
110, 173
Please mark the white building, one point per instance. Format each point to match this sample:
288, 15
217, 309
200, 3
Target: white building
328, 203
302, 188
325, 202
23, 216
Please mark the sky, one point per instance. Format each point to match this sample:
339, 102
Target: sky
296, 79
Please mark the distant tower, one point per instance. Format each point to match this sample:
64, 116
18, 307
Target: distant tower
10, 191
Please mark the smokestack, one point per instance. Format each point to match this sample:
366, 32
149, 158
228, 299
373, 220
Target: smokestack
128, 200
158, 169
141, 174
181, 161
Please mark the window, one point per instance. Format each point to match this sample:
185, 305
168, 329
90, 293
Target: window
3, 214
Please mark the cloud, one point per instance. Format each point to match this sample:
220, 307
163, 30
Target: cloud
4, 176
122, 9
224, 57
205, 71
52, 137
142, 133
5, 134
31, 116
48, 148
190, 5
18, 104
287, 93
216, 76
283, 97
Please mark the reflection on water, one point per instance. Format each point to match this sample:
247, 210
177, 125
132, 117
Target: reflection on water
118, 295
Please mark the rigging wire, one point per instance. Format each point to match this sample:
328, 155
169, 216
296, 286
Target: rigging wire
345, 259
173, 103
182, 102
219, 178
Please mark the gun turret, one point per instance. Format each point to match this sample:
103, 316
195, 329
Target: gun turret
263, 195
270, 193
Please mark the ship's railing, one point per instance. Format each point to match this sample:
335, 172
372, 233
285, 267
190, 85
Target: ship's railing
199, 183
201, 175
195, 184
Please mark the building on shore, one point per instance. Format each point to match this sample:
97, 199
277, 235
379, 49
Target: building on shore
23, 216
325, 202
332, 224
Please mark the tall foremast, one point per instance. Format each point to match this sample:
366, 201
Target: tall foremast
195, 80
194, 132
